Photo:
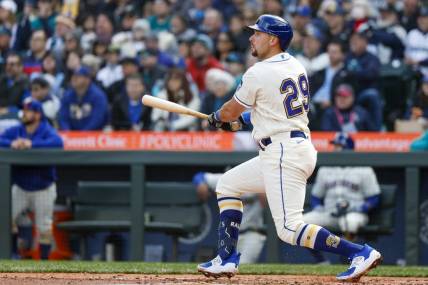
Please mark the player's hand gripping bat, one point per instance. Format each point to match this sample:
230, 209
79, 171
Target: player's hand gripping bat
177, 108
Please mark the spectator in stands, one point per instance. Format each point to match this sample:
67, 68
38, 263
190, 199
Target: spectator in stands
112, 71
53, 74
409, 14
235, 65
252, 236
13, 83
388, 35
342, 197
72, 62
196, 12
163, 59
23, 29
220, 86
161, 18
224, 46
33, 186
129, 66
344, 116
180, 28
45, 19
201, 60
84, 105
325, 81
240, 34
421, 143
301, 17
313, 58
128, 112
40, 91
419, 105
5, 36
362, 69
152, 71
334, 16
177, 89
34, 58
416, 53
104, 27
56, 43
213, 24
88, 32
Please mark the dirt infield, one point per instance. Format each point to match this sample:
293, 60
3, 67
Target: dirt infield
107, 279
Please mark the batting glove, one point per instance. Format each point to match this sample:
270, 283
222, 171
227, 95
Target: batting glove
215, 122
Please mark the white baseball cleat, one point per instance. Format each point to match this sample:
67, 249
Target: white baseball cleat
217, 267
362, 262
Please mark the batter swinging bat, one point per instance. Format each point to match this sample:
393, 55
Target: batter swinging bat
171, 107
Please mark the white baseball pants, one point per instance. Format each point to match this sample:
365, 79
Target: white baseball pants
281, 170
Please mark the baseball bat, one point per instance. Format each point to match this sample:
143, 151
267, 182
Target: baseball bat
169, 106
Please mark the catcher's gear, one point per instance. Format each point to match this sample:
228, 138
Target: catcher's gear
275, 26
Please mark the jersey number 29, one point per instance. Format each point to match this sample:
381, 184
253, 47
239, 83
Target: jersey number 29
291, 91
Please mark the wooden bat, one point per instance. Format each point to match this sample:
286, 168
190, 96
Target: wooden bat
171, 107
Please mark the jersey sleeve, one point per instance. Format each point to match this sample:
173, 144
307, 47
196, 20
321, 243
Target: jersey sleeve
247, 89
370, 183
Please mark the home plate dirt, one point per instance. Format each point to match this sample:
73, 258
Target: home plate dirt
116, 279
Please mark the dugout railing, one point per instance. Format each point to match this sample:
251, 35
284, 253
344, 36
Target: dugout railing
138, 161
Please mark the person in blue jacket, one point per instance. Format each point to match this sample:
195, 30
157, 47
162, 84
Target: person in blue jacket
33, 186
84, 106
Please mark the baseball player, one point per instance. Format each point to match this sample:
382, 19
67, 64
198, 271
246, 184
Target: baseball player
33, 186
276, 89
342, 196
251, 235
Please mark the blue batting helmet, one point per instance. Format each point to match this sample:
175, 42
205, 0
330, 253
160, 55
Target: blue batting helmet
344, 140
275, 26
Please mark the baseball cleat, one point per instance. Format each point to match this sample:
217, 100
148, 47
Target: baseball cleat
362, 262
218, 268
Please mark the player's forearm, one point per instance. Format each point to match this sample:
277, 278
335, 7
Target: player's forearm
230, 111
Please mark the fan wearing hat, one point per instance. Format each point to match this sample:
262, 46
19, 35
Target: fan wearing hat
342, 197
334, 14
201, 60
33, 186
344, 116
63, 26
84, 105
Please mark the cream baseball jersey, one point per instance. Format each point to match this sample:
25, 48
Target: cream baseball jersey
277, 90
352, 184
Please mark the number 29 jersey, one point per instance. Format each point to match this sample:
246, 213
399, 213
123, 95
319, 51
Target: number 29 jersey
277, 91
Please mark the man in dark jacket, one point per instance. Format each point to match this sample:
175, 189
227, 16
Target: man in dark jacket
84, 105
12, 85
128, 112
33, 186
363, 73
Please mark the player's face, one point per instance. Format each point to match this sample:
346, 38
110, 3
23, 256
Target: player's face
260, 44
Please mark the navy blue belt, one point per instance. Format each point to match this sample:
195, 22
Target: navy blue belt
293, 134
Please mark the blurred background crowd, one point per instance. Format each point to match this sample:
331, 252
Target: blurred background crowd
90, 62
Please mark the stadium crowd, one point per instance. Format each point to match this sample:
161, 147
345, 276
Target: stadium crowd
90, 62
